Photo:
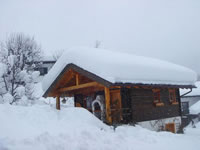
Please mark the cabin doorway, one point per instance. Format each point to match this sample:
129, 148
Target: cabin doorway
115, 105
170, 127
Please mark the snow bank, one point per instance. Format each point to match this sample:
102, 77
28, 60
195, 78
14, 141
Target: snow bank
19, 122
194, 132
44, 128
195, 109
122, 67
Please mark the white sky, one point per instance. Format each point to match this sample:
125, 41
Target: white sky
165, 29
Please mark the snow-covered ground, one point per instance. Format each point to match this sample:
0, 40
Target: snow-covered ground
41, 127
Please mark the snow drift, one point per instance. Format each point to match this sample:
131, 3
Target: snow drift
31, 121
45, 128
122, 67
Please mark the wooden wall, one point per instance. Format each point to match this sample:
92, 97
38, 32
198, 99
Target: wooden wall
142, 108
126, 105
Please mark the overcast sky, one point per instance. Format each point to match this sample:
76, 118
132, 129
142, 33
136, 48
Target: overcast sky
165, 29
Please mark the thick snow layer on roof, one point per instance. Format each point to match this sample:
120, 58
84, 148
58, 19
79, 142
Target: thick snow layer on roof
195, 91
48, 58
122, 67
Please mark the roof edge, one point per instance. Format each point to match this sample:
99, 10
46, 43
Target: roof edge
81, 71
156, 85
107, 83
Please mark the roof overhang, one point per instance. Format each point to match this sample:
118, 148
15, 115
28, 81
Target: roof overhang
81, 71
156, 85
106, 83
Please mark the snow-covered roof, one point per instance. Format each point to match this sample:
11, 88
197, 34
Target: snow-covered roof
195, 109
195, 92
121, 67
48, 58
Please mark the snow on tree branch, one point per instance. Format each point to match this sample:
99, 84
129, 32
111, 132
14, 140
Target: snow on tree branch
19, 55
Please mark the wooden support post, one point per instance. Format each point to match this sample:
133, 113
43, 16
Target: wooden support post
107, 102
58, 102
77, 79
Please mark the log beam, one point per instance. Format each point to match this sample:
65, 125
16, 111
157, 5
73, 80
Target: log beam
90, 84
77, 79
66, 78
58, 102
107, 102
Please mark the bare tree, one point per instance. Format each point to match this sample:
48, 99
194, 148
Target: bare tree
57, 54
20, 54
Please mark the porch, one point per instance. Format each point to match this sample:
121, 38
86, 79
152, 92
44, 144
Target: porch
91, 95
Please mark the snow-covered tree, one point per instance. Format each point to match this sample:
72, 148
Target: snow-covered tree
19, 54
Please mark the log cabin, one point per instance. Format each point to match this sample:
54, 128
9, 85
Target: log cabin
121, 88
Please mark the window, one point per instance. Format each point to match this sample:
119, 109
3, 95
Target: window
42, 70
185, 108
156, 96
172, 96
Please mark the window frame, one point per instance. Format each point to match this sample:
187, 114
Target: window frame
43, 70
157, 97
172, 97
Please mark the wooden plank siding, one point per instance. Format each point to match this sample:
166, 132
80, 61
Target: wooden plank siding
126, 105
140, 102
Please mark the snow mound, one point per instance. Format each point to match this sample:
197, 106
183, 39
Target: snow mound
191, 131
195, 109
122, 67
45, 128
31, 121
